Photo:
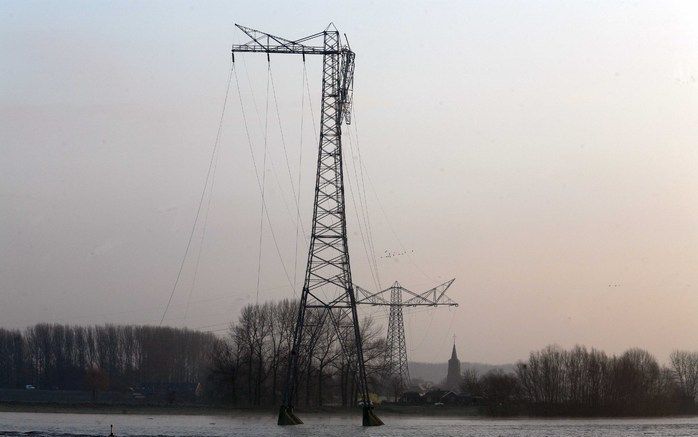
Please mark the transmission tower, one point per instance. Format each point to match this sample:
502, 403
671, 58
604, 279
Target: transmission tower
328, 293
396, 354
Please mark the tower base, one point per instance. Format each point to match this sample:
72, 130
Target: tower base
370, 418
287, 417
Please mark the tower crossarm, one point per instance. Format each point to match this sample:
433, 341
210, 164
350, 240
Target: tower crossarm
365, 297
263, 42
268, 43
433, 297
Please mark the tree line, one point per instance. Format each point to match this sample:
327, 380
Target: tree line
108, 357
584, 382
248, 367
245, 368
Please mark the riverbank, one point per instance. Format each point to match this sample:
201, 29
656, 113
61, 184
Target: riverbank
198, 410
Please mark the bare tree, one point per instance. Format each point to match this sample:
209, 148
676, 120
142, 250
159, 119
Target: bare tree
471, 382
685, 369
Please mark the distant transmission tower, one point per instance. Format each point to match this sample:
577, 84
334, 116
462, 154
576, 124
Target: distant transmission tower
328, 293
396, 354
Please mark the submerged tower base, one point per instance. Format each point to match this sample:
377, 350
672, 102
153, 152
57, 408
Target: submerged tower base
287, 417
370, 418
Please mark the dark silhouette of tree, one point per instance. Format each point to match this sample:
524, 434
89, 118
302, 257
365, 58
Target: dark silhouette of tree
11, 358
254, 361
500, 392
684, 366
55, 357
248, 367
96, 380
582, 382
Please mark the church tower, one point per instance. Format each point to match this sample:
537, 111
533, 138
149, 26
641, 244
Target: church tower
453, 378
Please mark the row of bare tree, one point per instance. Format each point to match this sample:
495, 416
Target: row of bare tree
52, 356
579, 381
250, 368
246, 368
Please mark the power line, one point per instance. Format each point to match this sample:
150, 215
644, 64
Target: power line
283, 144
300, 162
203, 236
264, 179
363, 238
361, 213
380, 204
367, 217
259, 185
201, 199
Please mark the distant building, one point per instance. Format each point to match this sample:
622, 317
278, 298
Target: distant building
437, 396
454, 377
411, 397
433, 396
450, 398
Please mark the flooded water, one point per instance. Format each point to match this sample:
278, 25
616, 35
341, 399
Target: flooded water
84, 425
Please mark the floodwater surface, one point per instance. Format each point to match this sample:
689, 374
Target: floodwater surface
84, 425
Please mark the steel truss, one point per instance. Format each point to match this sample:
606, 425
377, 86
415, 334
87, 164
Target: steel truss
328, 293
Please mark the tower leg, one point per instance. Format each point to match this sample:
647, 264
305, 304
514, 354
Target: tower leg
370, 418
287, 417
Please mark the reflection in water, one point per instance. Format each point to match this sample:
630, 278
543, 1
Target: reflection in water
69, 425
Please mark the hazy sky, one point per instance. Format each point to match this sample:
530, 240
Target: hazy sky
543, 153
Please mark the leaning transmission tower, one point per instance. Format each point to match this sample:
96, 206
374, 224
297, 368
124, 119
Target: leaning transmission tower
328, 293
396, 354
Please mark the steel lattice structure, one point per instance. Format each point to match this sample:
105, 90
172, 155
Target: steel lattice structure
396, 353
328, 293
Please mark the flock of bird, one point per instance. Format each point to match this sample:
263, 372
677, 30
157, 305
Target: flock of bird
389, 254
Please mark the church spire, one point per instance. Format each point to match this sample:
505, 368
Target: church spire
453, 377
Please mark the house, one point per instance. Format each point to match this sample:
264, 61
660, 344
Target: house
411, 397
450, 398
433, 396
